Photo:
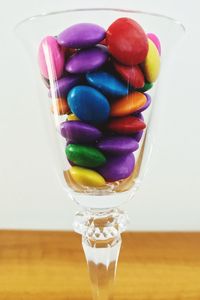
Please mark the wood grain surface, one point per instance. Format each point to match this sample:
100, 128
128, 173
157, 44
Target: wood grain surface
51, 266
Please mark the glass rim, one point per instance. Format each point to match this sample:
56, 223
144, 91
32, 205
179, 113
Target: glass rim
52, 13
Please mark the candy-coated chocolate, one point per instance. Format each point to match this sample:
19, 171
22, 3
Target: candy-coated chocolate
86, 177
87, 60
138, 115
80, 132
127, 41
126, 125
118, 167
88, 104
146, 105
151, 65
128, 104
118, 145
107, 83
72, 117
82, 35
85, 156
155, 40
64, 85
103, 42
51, 58
138, 135
61, 107
131, 74
147, 86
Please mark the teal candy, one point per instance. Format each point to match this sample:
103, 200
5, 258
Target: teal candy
88, 104
107, 84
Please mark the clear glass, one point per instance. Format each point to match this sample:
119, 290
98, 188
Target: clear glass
100, 221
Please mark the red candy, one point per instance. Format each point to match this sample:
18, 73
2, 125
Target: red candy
126, 125
133, 75
127, 41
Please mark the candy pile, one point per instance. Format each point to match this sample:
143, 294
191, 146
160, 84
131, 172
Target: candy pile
99, 79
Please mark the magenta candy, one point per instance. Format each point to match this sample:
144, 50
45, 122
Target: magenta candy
155, 40
64, 85
118, 167
51, 53
82, 35
87, 60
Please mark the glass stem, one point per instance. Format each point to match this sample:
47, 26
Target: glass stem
101, 241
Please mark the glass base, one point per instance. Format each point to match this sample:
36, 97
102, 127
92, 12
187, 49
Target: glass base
101, 240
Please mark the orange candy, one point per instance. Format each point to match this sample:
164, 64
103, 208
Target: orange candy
62, 107
128, 104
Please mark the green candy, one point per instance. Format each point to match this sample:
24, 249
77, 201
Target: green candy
147, 86
85, 156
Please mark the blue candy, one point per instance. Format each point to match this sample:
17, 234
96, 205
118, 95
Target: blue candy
88, 104
107, 84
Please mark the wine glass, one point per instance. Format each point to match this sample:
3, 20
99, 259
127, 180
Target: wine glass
99, 221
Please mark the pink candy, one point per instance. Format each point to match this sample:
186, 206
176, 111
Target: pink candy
51, 58
155, 40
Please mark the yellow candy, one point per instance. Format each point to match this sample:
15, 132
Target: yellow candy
86, 177
72, 117
151, 64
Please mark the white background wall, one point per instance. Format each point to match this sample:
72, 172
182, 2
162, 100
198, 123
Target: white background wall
30, 195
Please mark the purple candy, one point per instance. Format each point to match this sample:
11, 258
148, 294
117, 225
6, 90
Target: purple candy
64, 85
138, 135
87, 60
147, 104
118, 167
138, 115
81, 35
79, 132
118, 145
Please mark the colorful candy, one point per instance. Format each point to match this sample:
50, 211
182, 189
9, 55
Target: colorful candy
126, 125
81, 35
147, 86
118, 167
127, 41
64, 85
85, 156
151, 64
86, 177
98, 80
61, 107
128, 104
87, 60
146, 105
155, 40
88, 104
51, 58
118, 145
80, 132
132, 75
72, 117
107, 83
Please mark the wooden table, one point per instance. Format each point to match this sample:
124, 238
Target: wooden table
51, 266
